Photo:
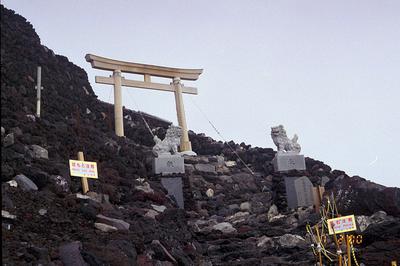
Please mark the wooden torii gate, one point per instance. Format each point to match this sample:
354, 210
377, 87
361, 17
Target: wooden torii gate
148, 71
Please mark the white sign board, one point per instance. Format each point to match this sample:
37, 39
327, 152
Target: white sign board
342, 224
83, 169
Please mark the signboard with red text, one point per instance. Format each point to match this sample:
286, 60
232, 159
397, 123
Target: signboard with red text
83, 169
342, 224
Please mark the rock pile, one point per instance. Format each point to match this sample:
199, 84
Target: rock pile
231, 215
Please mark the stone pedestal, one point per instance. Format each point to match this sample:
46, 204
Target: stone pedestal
286, 161
299, 192
169, 164
174, 187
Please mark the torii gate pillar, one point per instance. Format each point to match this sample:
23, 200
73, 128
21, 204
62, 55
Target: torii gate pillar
118, 113
180, 112
148, 71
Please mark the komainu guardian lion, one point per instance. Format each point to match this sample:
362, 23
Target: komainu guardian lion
282, 142
169, 145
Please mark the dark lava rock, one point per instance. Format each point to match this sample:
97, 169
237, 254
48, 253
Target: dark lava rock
65, 128
355, 195
70, 254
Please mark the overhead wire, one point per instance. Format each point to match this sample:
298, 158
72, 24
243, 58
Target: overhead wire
140, 114
219, 133
205, 116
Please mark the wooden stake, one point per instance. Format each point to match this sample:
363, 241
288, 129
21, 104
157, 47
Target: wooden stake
348, 251
337, 246
317, 193
85, 184
319, 243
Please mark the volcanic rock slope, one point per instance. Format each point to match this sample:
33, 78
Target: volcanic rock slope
127, 218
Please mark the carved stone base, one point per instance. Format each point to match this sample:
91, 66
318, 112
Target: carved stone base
287, 161
299, 192
169, 164
174, 186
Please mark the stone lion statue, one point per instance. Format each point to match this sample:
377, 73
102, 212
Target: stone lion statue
169, 145
282, 142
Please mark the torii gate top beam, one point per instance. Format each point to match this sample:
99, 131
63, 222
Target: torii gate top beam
143, 69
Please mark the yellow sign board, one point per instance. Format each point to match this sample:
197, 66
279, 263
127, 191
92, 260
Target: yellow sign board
342, 224
83, 169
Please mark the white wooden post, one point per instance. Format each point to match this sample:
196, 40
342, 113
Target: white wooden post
180, 112
85, 184
118, 116
39, 89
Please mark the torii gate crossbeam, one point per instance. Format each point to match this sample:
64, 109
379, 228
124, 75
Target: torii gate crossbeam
176, 74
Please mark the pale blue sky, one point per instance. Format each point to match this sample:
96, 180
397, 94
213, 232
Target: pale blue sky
328, 71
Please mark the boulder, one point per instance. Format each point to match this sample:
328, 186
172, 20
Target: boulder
210, 193
230, 163
206, 168
189, 168
8, 140
265, 241
225, 179
105, 227
224, 227
90, 209
378, 217
238, 217
119, 224
245, 182
151, 214
234, 207
145, 188
291, 241
364, 221
42, 212
70, 254
272, 212
60, 183
31, 118
158, 208
7, 215
39, 152
7, 172
16, 131
12, 183
355, 195
25, 183
245, 206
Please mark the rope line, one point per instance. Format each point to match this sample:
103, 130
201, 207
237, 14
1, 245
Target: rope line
216, 130
328, 211
354, 255
140, 113
205, 116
